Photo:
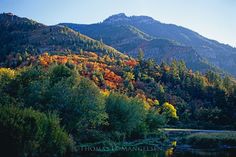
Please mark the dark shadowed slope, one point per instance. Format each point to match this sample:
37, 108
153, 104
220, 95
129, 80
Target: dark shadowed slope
127, 34
215, 52
19, 35
129, 39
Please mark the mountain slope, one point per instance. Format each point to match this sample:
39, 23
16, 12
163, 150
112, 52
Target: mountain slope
129, 39
20, 35
208, 50
215, 52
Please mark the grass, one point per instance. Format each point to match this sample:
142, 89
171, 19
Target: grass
210, 140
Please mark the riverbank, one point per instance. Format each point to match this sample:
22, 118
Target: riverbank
212, 140
180, 143
194, 138
168, 130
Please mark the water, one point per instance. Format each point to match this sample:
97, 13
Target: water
177, 149
171, 152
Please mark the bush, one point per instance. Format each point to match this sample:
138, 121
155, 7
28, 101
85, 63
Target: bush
125, 114
91, 104
155, 120
6, 76
25, 132
77, 100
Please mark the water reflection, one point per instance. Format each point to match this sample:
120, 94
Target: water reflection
171, 152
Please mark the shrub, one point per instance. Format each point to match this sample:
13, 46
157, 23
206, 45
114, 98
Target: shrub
125, 114
155, 120
6, 76
77, 100
25, 132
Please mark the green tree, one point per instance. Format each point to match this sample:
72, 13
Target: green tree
125, 114
140, 54
155, 120
90, 104
58, 72
7, 76
77, 100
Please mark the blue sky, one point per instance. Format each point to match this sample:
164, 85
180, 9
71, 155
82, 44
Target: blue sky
215, 19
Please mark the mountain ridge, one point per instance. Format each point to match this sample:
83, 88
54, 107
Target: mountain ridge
129, 41
111, 18
22, 35
212, 51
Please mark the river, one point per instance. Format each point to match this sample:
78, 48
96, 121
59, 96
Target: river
179, 150
168, 153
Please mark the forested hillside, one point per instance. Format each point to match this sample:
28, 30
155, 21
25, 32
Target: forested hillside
129, 40
214, 52
67, 91
21, 37
103, 99
129, 33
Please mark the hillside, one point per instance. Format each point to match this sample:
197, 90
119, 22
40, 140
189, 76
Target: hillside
215, 52
28, 43
70, 93
124, 37
129, 39
201, 101
21, 37
209, 52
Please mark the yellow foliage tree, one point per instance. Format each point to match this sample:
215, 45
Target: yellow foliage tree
169, 110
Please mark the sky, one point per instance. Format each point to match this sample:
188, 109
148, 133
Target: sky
214, 19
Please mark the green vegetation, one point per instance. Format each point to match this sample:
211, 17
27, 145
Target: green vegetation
30, 95
68, 97
25, 132
96, 112
208, 140
125, 114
